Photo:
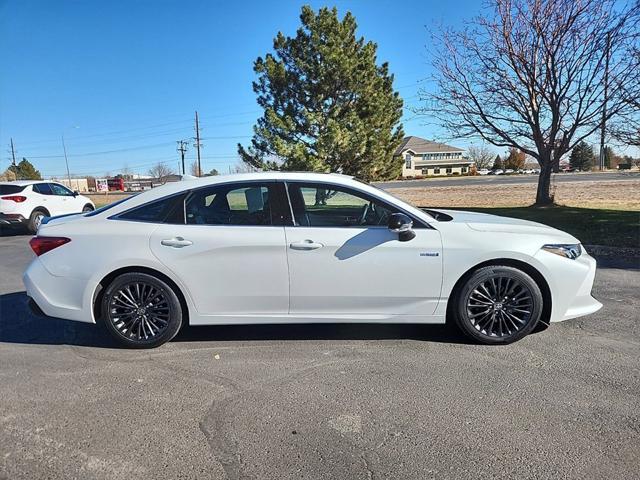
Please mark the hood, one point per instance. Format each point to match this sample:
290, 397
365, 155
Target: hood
485, 222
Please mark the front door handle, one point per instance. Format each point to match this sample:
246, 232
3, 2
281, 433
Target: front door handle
306, 245
176, 242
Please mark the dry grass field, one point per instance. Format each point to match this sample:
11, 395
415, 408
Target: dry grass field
613, 195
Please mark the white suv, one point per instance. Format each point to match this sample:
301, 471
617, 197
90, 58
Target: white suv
27, 202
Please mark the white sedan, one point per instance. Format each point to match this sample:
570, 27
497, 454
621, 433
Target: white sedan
302, 248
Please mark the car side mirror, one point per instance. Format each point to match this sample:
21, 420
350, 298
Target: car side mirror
75, 193
402, 225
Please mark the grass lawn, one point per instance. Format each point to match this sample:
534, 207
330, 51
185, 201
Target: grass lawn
615, 228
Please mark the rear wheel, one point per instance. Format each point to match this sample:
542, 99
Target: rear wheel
141, 311
35, 220
498, 305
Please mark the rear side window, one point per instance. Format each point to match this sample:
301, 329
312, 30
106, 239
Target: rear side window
251, 203
42, 188
10, 189
166, 210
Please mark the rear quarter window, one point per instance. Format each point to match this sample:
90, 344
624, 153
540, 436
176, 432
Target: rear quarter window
165, 210
10, 189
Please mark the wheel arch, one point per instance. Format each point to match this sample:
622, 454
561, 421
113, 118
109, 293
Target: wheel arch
42, 209
106, 281
520, 265
88, 205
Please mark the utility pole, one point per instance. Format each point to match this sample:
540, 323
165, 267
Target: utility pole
66, 160
604, 104
197, 145
13, 154
182, 148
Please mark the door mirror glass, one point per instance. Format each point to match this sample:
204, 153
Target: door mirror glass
402, 225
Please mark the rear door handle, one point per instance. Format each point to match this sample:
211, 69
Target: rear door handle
306, 245
176, 242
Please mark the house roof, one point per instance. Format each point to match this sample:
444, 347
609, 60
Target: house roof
420, 145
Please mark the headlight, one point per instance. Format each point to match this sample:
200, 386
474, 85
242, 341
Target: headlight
569, 251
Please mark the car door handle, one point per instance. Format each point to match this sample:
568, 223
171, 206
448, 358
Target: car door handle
176, 242
306, 245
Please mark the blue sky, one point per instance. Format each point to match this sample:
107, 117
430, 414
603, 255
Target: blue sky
122, 79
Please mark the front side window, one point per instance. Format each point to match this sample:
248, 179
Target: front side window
321, 205
58, 189
231, 204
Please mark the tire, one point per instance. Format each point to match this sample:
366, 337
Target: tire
35, 220
87, 208
498, 305
128, 313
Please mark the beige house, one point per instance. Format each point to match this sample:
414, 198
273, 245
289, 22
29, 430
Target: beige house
423, 157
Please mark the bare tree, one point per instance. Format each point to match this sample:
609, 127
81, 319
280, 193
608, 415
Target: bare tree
532, 76
482, 156
161, 171
193, 169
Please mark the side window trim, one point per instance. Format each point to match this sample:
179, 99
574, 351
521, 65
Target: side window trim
417, 223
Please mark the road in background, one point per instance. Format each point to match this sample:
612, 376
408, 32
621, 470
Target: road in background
319, 401
508, 179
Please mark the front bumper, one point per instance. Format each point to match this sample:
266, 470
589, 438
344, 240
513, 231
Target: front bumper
12, 219
571, 282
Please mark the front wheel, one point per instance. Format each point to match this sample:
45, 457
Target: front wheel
498, 305
141, 311
87, 208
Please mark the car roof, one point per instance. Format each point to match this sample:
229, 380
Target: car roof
22, 183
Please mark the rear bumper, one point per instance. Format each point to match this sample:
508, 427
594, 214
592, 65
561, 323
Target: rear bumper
59, 297
12, 219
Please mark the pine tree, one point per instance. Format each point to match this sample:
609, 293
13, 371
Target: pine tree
328, 106
582, 156
24, 170
497, 163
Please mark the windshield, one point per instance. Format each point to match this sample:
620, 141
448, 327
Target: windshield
109, 206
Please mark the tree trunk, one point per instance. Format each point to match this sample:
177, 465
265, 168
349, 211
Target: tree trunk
543, 195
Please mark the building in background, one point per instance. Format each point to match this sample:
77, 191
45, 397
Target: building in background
77, 184
426, 158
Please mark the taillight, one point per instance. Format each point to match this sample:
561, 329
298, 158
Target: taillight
14, 198
42, 245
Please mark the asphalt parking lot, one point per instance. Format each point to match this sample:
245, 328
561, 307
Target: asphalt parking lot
320, 402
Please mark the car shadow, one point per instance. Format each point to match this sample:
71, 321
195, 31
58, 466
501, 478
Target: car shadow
19, 325
14, 232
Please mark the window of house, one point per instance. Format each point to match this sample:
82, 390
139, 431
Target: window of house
449, 170
436, 171
407, 161
323, 205
464, 169
232, 204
